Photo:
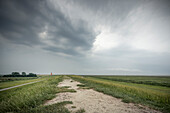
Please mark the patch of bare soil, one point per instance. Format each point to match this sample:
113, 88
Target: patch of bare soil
95, 102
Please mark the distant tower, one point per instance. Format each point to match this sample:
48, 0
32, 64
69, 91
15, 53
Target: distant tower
51, 73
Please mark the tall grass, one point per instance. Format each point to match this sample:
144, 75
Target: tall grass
25, 98
145, 96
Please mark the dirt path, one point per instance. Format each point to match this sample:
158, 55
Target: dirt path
18, 85
95, 102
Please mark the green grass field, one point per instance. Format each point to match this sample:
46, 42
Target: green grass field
30, 98
150, 80
6, 82
154, 96
7, 79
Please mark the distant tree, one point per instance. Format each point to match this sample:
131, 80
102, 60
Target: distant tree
15, 74
32, 75
23, 74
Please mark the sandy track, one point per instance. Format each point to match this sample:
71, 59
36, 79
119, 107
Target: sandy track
95, 102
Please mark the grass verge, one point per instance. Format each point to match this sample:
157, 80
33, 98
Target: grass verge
18, 81
30, 98
129, 93
149, 80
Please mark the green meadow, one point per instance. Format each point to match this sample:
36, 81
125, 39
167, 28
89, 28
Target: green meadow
30, 98
156, 96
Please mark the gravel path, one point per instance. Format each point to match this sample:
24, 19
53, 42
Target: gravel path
95, 102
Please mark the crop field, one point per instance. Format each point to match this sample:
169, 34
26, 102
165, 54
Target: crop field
153, 92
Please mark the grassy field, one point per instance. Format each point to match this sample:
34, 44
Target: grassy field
7, 79
13, 81
154, 96
30, 98
150, 80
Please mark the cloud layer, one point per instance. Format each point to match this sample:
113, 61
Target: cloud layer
89, 36
38, 23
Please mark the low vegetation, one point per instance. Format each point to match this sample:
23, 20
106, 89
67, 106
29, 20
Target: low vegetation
30, 98
80, 111
157, 97
149, 80
13, 81
54, 108
8, 79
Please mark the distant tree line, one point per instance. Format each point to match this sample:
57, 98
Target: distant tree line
23, 74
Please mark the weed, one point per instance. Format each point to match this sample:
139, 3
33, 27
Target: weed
73, 106
66, 87
54, 108
80, 111
81, 85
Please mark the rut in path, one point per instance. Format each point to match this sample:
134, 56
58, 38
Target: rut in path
95, 102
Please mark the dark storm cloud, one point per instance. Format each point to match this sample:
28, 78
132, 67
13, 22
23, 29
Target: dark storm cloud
23, 21
17, 21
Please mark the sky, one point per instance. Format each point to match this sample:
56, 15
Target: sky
99, 37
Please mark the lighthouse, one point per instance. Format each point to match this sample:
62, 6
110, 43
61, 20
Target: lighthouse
51, 73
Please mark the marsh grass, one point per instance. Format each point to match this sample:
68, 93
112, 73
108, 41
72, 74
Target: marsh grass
129, 93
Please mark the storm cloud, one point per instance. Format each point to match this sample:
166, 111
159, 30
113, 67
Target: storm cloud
38, 23
85, 37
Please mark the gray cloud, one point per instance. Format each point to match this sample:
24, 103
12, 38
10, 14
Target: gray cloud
131, 36
22, 21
